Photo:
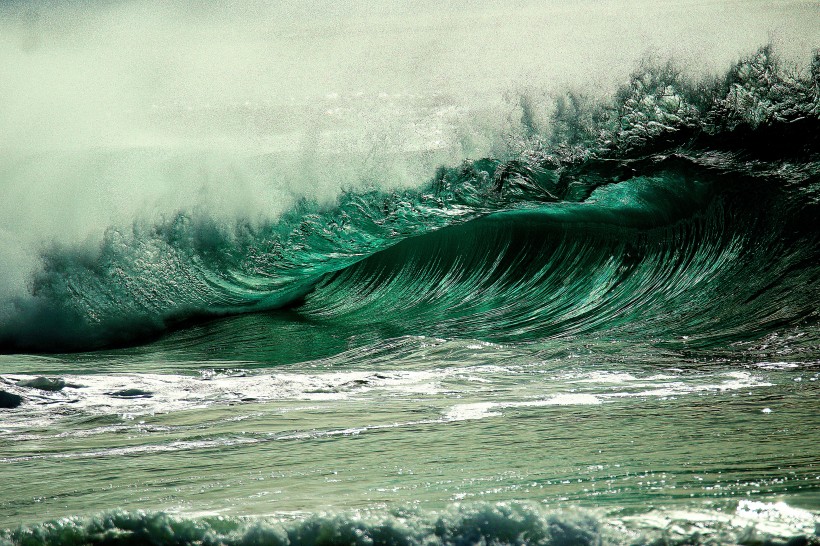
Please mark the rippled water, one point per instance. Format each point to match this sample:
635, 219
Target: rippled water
424, 423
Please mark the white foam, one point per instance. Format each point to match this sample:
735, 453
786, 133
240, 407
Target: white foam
466, 412
483, 410
166, 393
752, 522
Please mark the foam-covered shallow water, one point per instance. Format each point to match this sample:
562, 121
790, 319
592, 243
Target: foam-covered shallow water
421, 433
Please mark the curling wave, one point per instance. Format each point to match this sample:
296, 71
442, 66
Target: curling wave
679, 210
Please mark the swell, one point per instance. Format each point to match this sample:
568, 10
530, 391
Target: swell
679, 211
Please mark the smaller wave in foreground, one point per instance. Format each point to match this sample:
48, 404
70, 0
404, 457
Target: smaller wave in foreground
752, 524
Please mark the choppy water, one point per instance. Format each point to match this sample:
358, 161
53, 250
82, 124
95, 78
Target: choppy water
609, 337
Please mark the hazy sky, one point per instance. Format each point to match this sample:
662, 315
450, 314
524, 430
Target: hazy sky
91, 72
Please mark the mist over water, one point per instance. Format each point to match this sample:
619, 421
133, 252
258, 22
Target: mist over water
115, 110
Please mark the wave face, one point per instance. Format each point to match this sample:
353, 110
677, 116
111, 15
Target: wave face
678, 211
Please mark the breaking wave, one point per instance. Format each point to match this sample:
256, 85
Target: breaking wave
678, 210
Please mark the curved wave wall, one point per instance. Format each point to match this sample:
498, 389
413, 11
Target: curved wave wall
680, 211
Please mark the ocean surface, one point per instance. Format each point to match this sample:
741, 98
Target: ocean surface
605, 331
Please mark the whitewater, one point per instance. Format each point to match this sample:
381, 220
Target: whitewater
409, 273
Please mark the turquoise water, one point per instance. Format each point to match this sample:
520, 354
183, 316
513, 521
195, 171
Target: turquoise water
610, 337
